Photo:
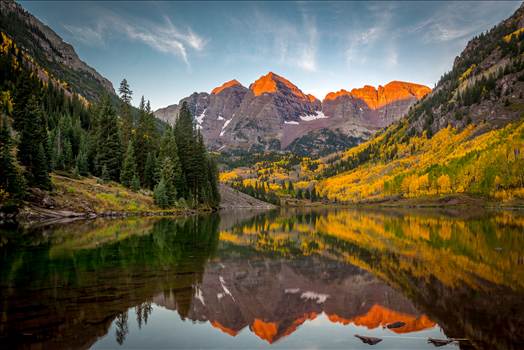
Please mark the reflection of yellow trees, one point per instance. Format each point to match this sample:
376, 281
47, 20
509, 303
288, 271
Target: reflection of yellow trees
453, 250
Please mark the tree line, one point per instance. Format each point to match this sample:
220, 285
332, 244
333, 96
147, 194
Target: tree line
44, 128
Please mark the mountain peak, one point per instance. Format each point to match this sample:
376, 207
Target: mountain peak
224, 86
272, 83
378, 97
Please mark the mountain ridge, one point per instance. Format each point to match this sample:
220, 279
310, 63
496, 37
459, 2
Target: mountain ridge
51, 52
274, 114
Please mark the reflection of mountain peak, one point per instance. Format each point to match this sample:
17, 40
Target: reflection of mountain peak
233, 295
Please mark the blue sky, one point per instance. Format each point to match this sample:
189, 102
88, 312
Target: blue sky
167, 50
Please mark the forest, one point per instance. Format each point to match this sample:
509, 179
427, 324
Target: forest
45, 128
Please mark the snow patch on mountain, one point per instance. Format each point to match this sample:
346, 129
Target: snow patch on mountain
319, 298
200, 119
310, 117
222, 132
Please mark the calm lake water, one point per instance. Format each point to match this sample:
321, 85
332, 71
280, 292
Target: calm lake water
246, 280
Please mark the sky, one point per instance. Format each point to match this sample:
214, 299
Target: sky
168, 50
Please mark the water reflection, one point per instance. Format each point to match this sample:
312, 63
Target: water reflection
279, 279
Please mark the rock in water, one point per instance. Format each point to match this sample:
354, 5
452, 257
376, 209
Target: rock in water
368, 340
439, 342
396, 325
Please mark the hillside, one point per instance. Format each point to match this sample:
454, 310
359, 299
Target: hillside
466, 136
273, 114
51, 52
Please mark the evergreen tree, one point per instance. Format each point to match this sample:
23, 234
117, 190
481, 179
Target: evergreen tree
106, 176
33, 141
135, 183
185, 140
82, 162
128, 172
125, 112
109, 150
145, 138
150, 171
39, 170
168, 148
167, 174
11, 178
160, 194
125, 92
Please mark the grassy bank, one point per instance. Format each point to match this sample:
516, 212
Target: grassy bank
88, 197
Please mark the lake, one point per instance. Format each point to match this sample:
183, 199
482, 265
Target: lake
304, 279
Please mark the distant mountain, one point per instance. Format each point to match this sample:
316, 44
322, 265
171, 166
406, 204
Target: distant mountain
274, 114
51, 52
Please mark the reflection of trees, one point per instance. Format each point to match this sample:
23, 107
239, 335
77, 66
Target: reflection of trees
121, 328
142, 311
464, 273
100, 281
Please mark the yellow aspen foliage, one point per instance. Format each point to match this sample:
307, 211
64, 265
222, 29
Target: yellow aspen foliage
444, 184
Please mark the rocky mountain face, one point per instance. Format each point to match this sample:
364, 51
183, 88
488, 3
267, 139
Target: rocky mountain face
274, 114
51, 52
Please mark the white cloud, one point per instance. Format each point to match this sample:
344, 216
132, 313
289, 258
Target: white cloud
165, 37
86, 35
361, 39
307, 60
456, 20
289, 43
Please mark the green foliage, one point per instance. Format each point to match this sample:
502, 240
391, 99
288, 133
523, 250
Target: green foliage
151, 171
128, 172
135, 183
12, 181
109, 152
160, 195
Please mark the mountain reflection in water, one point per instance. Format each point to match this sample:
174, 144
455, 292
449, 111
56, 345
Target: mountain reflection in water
272, 279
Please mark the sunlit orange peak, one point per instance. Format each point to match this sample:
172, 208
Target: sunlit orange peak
383, 95
335, 95
264, 330
271, 82
224, 329
381, 316
224, 86
311, 98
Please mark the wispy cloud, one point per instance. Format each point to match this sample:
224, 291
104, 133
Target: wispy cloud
165, 37
359, 40
86, 35
283, 41
450, 21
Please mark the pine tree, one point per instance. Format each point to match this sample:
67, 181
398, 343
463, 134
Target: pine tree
81, 159
185, 141
168, 148
167, 173
109, 150
39, 169
125, 112
135, 183
128, 172
11, 178
146, 138
150, 171
160, 194
125, 92
106, 176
